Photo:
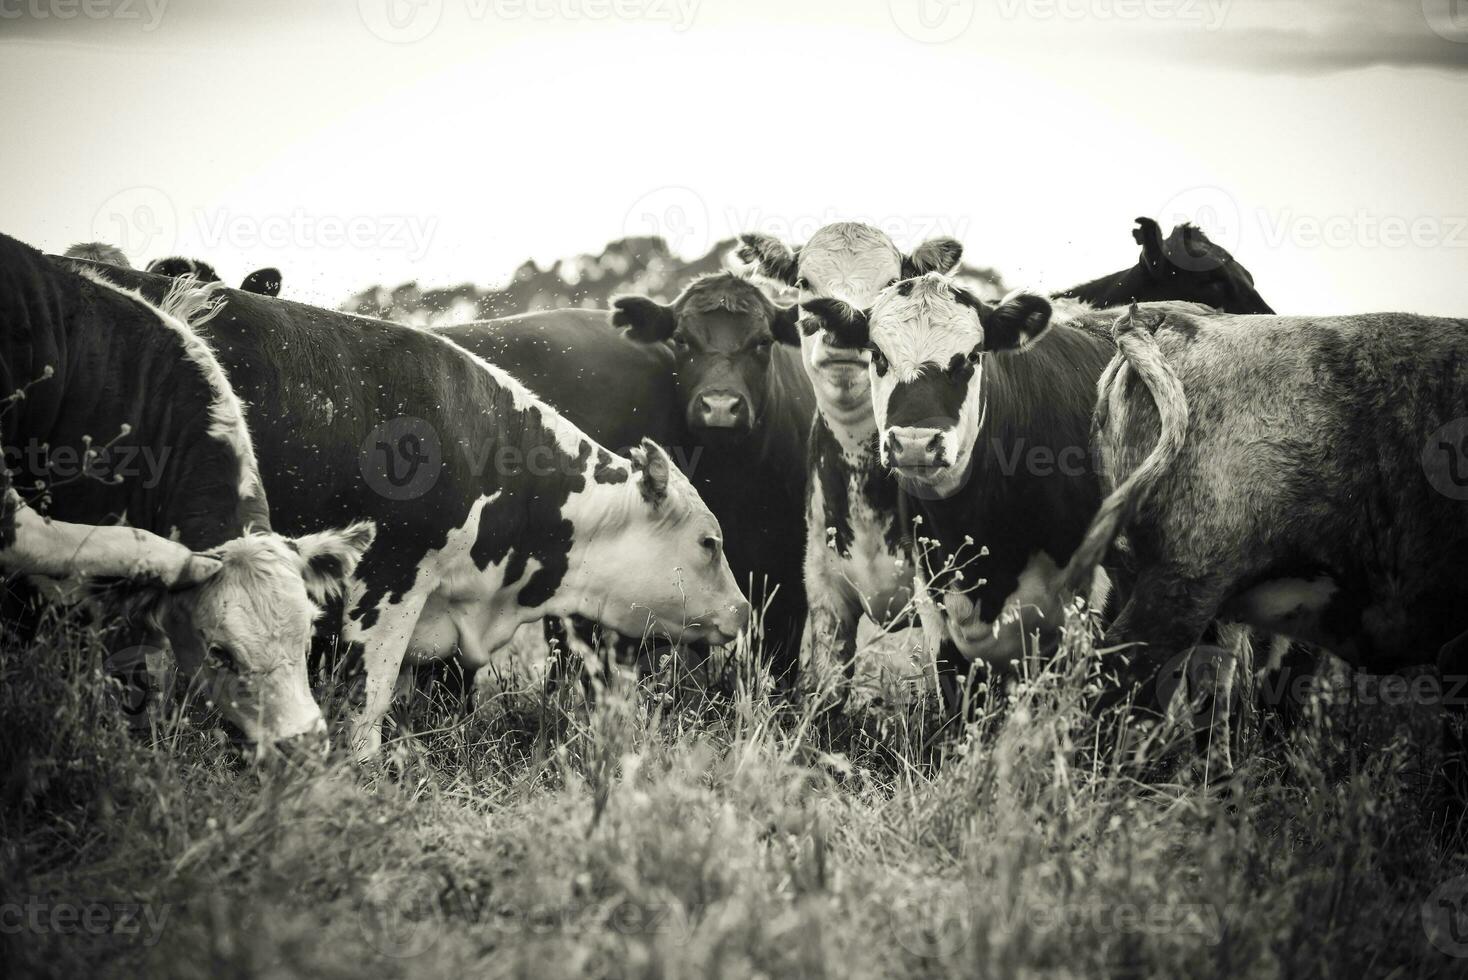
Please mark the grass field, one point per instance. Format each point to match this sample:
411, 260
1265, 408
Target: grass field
677, 832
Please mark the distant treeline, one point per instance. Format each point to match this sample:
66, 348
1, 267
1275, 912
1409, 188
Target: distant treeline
629, 265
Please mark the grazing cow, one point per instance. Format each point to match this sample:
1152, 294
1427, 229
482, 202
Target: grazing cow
265, 282
616, 390
747, 406
855, 556
492, 510
1187, 267
122, 415
987, 433
1302, 475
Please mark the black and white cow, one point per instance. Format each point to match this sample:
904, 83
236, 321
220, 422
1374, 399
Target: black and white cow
987, 432
747, 407
265, 282
125, 417
1304, 475
491, 509
855, 560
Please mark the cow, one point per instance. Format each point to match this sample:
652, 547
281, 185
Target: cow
747, 407
616, 390
491, 509
1302, 475
985, 426
1186, 267
265, 282
855, 559
119, 414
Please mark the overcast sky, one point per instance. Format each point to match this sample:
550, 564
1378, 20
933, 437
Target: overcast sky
1325, 142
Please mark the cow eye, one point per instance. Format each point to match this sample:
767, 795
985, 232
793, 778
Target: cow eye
680, 341
879, 360
763, 347
712, 545
974, 355
219, 656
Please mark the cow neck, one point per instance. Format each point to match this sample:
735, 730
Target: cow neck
854, 429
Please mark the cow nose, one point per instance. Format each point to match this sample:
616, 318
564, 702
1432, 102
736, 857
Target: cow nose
914, 447
721, 410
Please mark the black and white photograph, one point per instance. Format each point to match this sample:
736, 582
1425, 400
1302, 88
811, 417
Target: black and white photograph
760, 489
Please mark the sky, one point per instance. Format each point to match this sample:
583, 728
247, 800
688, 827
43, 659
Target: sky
357, 142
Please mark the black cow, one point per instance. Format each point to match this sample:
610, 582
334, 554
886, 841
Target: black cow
1187, 267
748, 406
126, 417
265, 282
491, 509
1303, 475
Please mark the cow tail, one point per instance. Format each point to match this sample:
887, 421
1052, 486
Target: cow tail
1137, 351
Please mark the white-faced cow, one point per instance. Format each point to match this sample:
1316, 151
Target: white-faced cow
985, 425
127, 418
1304, 475
855, 559
491, 509
265, 282
747, 407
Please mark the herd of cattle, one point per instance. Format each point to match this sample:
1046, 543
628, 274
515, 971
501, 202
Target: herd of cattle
1156, 441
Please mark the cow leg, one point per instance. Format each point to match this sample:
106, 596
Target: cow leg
384, 644
832, 643
1167, 614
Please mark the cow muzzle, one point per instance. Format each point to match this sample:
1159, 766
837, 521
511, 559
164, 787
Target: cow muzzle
915, 449
726, 625
719, 410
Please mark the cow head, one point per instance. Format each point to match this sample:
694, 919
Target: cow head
264, 282
658, 558
243, 631
723, 330
928, 340
1187, 266
850, 262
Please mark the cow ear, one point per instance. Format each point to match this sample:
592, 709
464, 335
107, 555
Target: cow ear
328, 558
647, 321
265, 281
933, 255
784, 324
1148, 235
1017, 322
651, 464
770, 257
847, 325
